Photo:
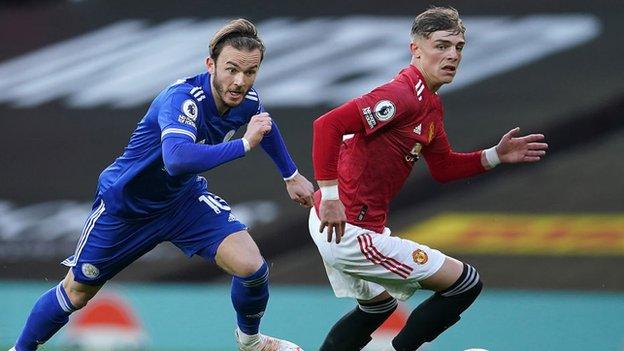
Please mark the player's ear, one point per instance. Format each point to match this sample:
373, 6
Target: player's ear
415, 49
210, 65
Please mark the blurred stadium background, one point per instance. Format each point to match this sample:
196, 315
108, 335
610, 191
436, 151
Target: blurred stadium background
548, 238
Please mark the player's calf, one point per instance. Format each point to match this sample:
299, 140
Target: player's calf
439, 312
353, 331
49, 314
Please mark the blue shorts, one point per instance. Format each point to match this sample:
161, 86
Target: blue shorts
108, 243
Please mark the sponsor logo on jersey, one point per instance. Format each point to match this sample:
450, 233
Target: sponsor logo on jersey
368, 114
229, 135
384, 110
420, 256
418, 129
362, 213
90, 271
187, 120
414, 153
231, 218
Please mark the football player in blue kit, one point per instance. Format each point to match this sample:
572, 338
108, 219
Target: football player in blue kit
152, 193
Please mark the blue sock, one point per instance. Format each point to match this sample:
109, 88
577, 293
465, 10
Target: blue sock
50, 313
249, 297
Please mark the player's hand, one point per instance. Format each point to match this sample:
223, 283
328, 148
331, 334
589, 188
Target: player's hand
257, 127
300, 190
332, 215
514, 149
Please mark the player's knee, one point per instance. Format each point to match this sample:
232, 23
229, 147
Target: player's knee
249, 266
468, 286
80, 294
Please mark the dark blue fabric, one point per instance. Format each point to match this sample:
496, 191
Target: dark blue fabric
273, 144
45, 319
182, 156
250, 296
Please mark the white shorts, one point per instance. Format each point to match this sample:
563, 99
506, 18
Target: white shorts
366, 263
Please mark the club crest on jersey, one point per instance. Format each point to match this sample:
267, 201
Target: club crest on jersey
189, 108
368, 114
90, 271
384, 110
420, 256
431, 132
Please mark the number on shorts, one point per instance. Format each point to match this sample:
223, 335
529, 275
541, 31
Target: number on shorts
216, 203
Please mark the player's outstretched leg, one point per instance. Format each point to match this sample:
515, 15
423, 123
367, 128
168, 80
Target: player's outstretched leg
353, 331
239, 256
439, 312
50, 313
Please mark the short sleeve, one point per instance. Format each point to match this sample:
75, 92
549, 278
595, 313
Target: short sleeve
179, 115
384, 105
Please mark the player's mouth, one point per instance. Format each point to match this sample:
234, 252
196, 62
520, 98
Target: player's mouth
235, 95
449, 69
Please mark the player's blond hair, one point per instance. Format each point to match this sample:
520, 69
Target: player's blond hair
240, 34
435, 19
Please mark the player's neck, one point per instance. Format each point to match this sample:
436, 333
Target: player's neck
429, 82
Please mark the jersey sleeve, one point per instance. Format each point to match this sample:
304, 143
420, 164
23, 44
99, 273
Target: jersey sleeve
445, 164
179, 116
383, 106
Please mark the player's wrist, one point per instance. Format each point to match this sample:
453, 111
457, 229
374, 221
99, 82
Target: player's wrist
246, 144
329, 192
491, 157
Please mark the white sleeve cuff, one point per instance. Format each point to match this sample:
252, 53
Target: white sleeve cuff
292, 176
491, 156
329, 192
246, 144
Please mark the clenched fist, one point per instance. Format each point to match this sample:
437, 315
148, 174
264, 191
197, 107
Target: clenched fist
258, 126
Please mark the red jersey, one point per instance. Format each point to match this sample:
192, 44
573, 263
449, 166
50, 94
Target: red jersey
400, 122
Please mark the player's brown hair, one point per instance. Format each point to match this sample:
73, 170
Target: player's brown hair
435, 19
240, 34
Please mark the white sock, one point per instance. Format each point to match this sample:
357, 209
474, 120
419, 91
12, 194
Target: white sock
247, 339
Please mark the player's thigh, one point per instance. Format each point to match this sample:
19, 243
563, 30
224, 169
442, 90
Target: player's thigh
239, 255
397, 264
108, 244
210, 229
348, 271
79, 294
444, 277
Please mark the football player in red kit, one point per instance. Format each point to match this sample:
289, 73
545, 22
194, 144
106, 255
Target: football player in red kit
393, 126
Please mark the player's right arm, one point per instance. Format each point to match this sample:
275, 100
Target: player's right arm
328, 131
178, 120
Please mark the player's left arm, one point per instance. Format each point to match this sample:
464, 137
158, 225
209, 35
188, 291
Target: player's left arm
298, 187
446, 165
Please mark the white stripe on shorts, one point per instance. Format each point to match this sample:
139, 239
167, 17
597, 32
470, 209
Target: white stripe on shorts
86, 230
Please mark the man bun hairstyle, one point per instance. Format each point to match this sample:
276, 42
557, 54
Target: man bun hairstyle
435, 19
240, 33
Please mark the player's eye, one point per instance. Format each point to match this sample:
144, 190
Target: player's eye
231, 70
250, 73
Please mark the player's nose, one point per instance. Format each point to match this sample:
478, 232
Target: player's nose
239, 80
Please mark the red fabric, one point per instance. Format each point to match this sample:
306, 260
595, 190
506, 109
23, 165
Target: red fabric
328, 132
396, 124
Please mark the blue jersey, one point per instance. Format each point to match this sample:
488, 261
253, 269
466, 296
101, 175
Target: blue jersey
137, 185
